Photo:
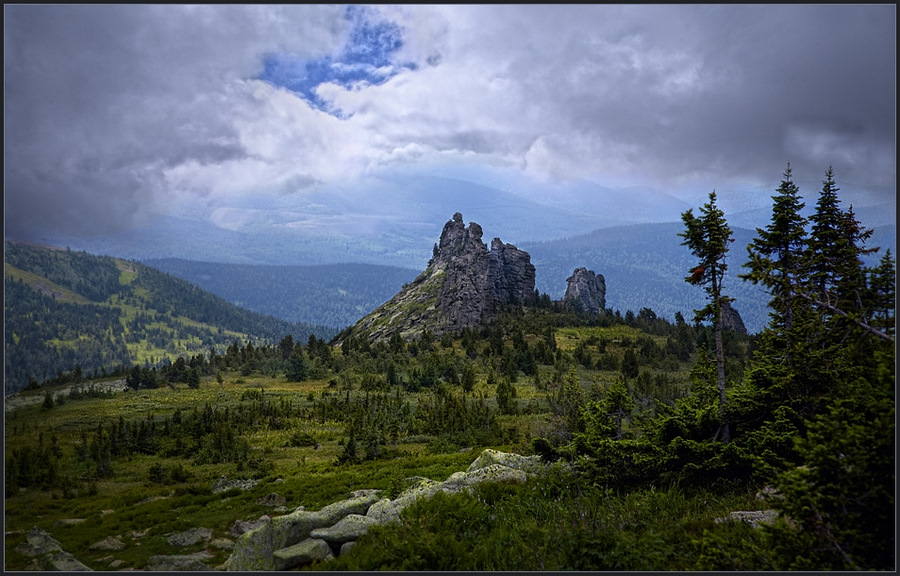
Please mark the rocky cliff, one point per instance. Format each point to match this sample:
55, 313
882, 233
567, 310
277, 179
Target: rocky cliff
465, 284
586, 291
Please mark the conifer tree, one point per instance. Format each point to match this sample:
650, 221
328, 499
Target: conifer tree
776, 254
883, 293
837, 276
708, 236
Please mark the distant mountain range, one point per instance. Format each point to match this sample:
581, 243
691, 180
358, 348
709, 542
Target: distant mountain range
627, 234
644, 266
386, 222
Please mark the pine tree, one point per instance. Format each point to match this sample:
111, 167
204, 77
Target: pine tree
882, 293
776, 254
299, 368
825, 240
837, 276
708, 236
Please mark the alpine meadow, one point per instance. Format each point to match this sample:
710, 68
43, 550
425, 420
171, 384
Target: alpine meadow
469, 423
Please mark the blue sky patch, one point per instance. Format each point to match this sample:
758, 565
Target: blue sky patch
366, 57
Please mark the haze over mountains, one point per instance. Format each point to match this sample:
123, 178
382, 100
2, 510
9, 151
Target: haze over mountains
395, 218
629, 235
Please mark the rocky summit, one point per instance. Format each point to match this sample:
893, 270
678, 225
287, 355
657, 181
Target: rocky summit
465, 284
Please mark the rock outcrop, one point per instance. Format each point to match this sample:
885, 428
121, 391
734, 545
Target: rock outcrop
48, 553
191, 537
586, 291
731, 320
223, 484
179, 562
464, 285
755, 518
254, 550
302, 537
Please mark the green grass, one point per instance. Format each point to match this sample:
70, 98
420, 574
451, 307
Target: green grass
43, 285
547, 524
303, 475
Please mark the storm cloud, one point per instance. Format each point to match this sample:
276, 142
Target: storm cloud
116, 113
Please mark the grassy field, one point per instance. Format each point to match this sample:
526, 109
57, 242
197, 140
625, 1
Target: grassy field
150, 497
142, 513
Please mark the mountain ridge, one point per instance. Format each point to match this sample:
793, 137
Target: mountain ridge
124, 313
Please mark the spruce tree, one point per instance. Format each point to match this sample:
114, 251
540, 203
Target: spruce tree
882, 293
708, 236
776, 254
836, 274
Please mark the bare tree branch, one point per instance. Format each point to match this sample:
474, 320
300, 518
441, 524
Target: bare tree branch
840, 312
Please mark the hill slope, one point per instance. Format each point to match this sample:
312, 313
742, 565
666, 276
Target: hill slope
65, 308
334, 295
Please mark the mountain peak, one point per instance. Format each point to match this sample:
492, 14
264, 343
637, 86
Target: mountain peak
465, 284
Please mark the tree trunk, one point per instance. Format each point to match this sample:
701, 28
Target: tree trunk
720, 376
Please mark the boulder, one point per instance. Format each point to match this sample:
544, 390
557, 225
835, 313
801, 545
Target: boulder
241, 526
349, 528
306, 552
222, 544
488, 457
253, 550
753, 517
65, 562
48, 553
460, 481
69, 521
40, 542
178, 563
223, 484
108, 543
190, 537
272, 500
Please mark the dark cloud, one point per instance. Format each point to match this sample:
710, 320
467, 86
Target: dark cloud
113, 113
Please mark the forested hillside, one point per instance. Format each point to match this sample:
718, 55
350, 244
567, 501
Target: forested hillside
67, 310
335, 295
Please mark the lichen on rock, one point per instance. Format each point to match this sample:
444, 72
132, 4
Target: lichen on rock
253, 550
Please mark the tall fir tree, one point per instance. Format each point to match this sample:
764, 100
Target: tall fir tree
882, 293
837, 277
777, 261
776, 254
824, 249
708, 237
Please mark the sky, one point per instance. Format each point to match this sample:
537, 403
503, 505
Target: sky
116, 114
